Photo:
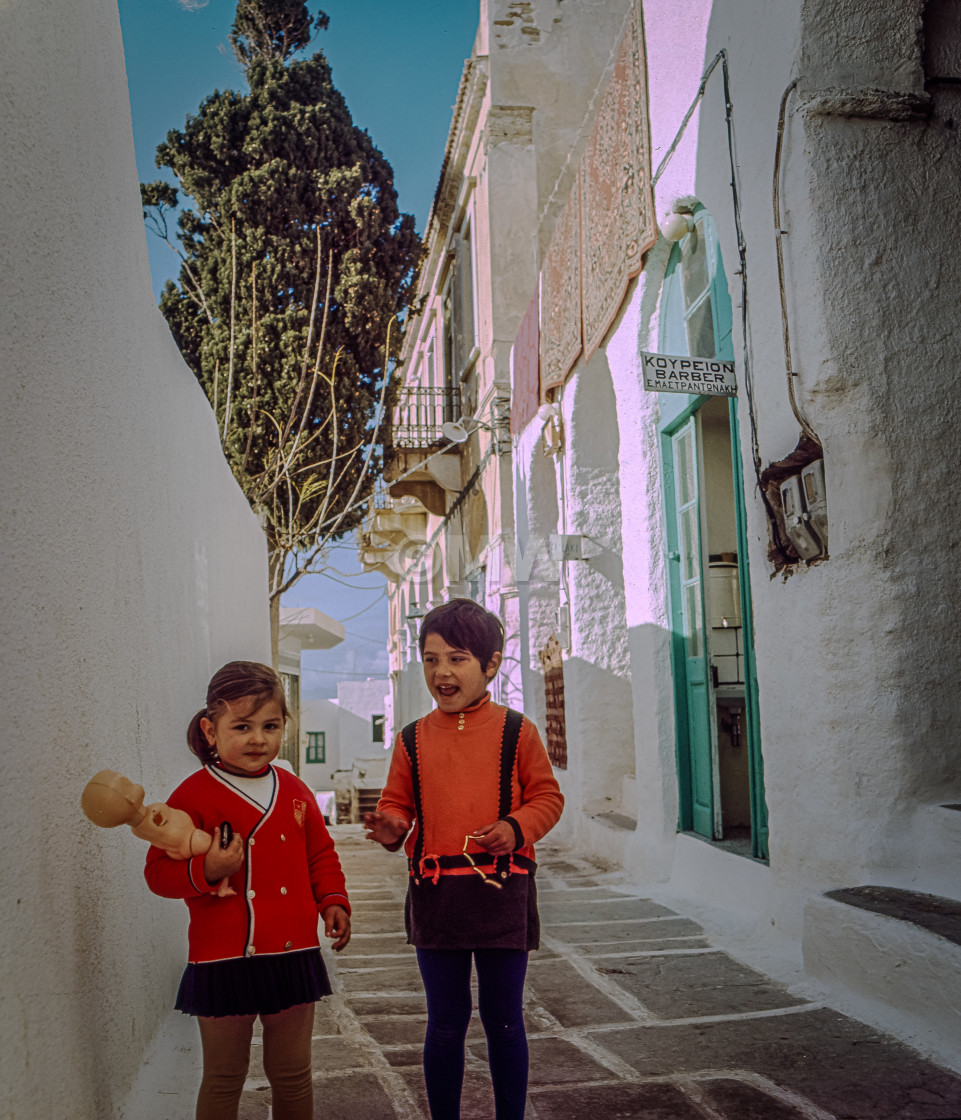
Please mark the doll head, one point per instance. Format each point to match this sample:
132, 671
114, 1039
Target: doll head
247, 685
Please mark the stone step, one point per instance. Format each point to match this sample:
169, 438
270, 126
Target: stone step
935, 863
893, 957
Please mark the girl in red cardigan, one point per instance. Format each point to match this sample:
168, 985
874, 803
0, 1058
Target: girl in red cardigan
471, 788
254, 950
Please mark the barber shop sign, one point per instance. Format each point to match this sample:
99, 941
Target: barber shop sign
672, 373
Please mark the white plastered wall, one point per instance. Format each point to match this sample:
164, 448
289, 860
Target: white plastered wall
132, 569
856, 657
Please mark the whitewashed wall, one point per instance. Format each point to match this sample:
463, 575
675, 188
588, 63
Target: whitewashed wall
131, 569
347, 722
857, 659
320, 715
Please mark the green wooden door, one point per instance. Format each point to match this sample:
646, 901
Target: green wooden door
691, 654
697, 318
759, 823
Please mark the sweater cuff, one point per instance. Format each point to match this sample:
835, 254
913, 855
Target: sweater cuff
334, 898
518, 833
198, 880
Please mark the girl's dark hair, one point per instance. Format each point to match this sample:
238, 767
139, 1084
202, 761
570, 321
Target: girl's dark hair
237, 680
464, 624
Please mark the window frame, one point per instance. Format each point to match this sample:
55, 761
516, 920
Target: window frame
318, 746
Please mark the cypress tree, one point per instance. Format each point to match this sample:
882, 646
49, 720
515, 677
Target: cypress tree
295, 260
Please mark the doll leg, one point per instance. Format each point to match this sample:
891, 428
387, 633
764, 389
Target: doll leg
446, 975
226, 1049
500, 1000
287, 1062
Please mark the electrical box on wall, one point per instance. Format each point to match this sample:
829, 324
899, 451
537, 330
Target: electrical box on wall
572, 546
804, 504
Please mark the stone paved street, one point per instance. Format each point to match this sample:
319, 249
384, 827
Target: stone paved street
632, 1013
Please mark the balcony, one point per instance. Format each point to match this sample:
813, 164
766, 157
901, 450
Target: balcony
392, 532
418, 415
416, 436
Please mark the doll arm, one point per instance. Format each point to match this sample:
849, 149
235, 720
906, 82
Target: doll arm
176, 878
173, 876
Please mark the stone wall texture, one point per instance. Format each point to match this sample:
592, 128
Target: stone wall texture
132, 568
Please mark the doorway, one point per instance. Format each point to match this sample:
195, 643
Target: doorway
719, 762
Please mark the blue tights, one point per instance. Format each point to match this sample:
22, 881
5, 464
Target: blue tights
500, 997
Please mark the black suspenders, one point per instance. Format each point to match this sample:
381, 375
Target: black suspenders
509, 741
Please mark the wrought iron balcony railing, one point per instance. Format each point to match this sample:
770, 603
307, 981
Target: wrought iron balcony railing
419, 413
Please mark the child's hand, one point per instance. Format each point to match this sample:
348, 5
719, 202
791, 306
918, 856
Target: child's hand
336, 924
385, 830
497, 838
221, 863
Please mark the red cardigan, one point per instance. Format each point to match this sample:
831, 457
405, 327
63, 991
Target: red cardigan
458, 758
290, 872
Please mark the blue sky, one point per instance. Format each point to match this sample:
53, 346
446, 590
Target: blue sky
398, 64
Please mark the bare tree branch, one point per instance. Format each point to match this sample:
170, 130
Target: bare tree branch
233, 304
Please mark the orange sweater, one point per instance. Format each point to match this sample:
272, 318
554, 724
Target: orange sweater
458, 756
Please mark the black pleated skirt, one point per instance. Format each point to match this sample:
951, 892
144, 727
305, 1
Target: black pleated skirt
253, 985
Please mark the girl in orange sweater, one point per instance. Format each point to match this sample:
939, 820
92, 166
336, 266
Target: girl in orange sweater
471, 788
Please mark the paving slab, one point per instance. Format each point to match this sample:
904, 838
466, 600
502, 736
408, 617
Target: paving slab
632, 1014
562, 867
403, 1030
358, 1096
679, 986
394, 978
844, 1067
633, 948
376, 943
611, 910
737, 1100
404, 1003
477, 1099
575, 894
591, 932
555, 1061
570, 999
386, 921
614, 1102
352, 1097
405, 1056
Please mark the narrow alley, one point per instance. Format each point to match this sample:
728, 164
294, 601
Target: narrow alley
632, 1013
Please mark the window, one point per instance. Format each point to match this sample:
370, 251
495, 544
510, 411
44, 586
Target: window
377, 729
694, 284
458, 305
316, 746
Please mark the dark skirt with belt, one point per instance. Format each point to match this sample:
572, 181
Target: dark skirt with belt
260, 985
464, 912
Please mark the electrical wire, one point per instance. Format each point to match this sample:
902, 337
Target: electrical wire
364, 638
341, 676
746, 347
351, 617
779, 233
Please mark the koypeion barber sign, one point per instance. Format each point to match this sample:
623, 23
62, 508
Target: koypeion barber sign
675, 373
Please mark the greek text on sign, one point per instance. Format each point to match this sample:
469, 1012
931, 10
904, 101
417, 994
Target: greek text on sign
673, 373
